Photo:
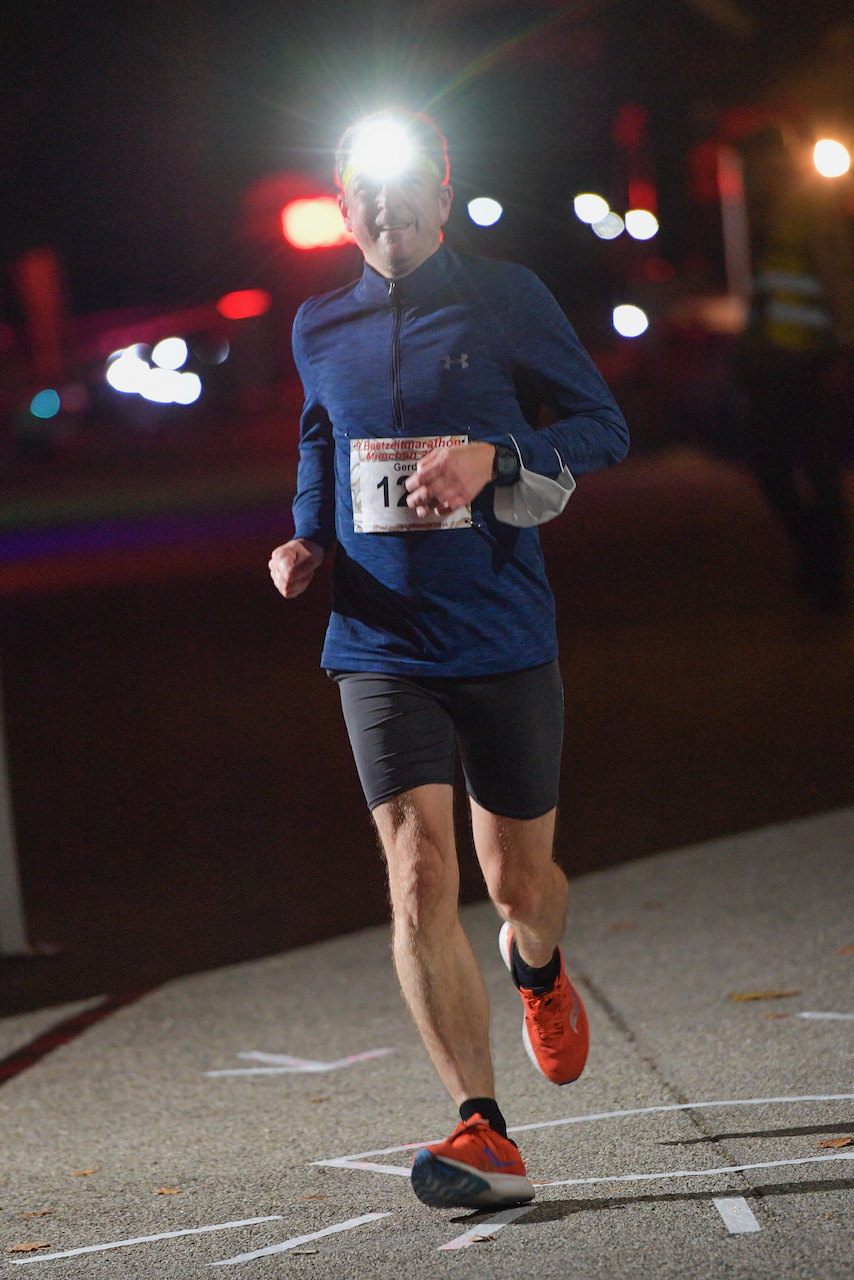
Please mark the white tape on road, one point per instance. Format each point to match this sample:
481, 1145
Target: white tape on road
162, 1235
696, 1173
737, 1215
296, 1241
485, 1230
284, 1064
841, 1017
361, 1160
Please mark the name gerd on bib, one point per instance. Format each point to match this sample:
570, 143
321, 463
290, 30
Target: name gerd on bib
379, 470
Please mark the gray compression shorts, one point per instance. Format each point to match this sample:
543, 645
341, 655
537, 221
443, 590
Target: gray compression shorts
509, 729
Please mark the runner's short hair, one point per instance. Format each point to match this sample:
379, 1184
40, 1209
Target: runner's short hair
426, 137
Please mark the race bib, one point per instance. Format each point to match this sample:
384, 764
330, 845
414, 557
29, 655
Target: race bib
379, 470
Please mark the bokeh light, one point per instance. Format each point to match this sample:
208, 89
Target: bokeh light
831, 158
189, 390
484, 212
590, 208
127, 373
243, 304
315, 224
629, 321
45, 404
170, 353
641, 224
609, 228
162, 386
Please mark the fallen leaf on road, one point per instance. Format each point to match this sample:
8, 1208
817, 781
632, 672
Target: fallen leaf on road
481, 1239
315, 1197
762, 995
38, 1213
776, 1015
318, 1099
837, 1142
81, 1173
167, 1191
846, 951
27, 1248
619, 925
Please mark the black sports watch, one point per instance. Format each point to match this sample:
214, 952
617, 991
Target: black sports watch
505, 465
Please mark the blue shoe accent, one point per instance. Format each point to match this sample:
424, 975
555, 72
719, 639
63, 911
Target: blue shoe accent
441, 1186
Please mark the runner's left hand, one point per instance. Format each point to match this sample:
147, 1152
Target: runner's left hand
450, 478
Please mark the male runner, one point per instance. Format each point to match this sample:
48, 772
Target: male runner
416, 455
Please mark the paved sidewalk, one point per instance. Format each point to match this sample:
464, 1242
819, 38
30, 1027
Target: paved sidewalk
659, 946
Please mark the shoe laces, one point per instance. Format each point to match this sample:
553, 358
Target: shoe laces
549, 1017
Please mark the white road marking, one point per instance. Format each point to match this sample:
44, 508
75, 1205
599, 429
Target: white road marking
696, 1173
162, 1235
842, 1017
361, 1160
737, 1215
484, 1230
298, 1240
284, 1064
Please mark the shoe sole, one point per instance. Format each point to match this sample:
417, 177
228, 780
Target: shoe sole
504, 939
449, 1184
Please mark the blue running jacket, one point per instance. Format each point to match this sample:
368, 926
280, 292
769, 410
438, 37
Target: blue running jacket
455, 348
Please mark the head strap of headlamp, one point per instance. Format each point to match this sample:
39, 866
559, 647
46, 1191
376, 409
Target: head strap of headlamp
419, 158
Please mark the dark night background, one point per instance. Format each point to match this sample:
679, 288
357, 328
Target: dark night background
182, 786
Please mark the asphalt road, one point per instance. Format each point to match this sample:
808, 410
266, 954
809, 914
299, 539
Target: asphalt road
659, 946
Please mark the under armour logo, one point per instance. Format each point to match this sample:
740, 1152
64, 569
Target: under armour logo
461, 360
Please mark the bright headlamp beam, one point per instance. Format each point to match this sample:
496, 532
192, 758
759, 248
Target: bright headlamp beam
381, 150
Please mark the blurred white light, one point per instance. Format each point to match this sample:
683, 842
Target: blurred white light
162, 386
127, 373
484, 212
382, 150
629, 321
641, 224
170, 353
590, 208
831, 158
190, 388
609, 228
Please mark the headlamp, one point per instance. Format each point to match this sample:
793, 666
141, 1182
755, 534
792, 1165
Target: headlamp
383, 149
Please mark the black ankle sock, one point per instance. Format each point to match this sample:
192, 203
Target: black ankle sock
488, 1108
540, 981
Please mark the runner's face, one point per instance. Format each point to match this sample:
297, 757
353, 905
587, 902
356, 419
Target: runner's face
397, 222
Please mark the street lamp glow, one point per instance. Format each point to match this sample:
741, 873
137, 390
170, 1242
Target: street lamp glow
629, 321
610, 227
484, 212
590, 208
170, 353
641, 224
831, 158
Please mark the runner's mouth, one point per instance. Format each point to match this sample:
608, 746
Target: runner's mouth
394, 226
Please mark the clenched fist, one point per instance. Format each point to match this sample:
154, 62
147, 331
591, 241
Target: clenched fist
292, 566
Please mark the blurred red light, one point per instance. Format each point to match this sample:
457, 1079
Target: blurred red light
314, 224
244, 303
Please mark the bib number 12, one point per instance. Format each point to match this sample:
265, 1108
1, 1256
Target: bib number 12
383, 484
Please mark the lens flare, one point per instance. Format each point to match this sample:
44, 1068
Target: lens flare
831, 158
484, 212
314, 224
641, 224
382, 149
170, 353
609, 228
45, 404
629, 321
590, 208
244, 304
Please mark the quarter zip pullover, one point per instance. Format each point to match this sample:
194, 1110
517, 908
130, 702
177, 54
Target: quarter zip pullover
442, 351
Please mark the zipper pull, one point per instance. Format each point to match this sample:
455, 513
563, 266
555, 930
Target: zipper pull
392, 291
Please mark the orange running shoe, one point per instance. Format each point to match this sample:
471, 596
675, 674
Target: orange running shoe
554, 1030
473, 1169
